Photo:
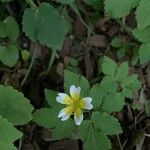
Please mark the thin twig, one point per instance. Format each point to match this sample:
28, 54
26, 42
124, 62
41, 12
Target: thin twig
77, 13
31, 3
10, 11
148, 135
121, 148
20, 144
30, 67
126, 28
54, 51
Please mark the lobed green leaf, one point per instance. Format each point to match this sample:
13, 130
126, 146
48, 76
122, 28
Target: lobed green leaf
117, 9
106, 123
122, 72
113, 102
142, 35
7, 146
93, 138
51, 99
71, 78
144, 53
46, 117
141, 14
8, 132
108, 66
97, 93
44, 24
14, 106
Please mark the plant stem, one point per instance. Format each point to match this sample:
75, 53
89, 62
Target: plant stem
73, 6
31, 3
87, 26
126, 28
30, 67
51, 60
121, 148
54, 51
10, 11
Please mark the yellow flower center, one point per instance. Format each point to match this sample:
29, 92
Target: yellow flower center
73, 103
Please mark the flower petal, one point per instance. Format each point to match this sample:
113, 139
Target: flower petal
88, 99
65, 112
65, 117
78, 117
64, 99
87, 103
75, 92
61, 113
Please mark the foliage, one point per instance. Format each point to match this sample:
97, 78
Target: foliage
142, 31
14, 110
9, 28
14, 106
112, 9
9, 55
45, 24
8, 134
141, 14
106, 99
144, 53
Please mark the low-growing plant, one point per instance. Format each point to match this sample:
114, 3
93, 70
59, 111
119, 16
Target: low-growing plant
15, 109
82, 110
92, 107
142, 31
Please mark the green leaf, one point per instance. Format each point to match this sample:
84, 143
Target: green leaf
117, 9
106, 123
143, 35
63, 129
11, 28
67, 21
108, 66
51, 99
126, 92
44, 24
130, 84
45, 117
130, 81
8, 132
66, 1
14, 106
122, 71
2, 30
71, 78
141, 14
92, 138
116, 42
97, 93
113, 103
9, 55
48, 118
7, 146
144, 53
121, 52
109, 84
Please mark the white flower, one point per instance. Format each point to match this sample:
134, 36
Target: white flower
74, 104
